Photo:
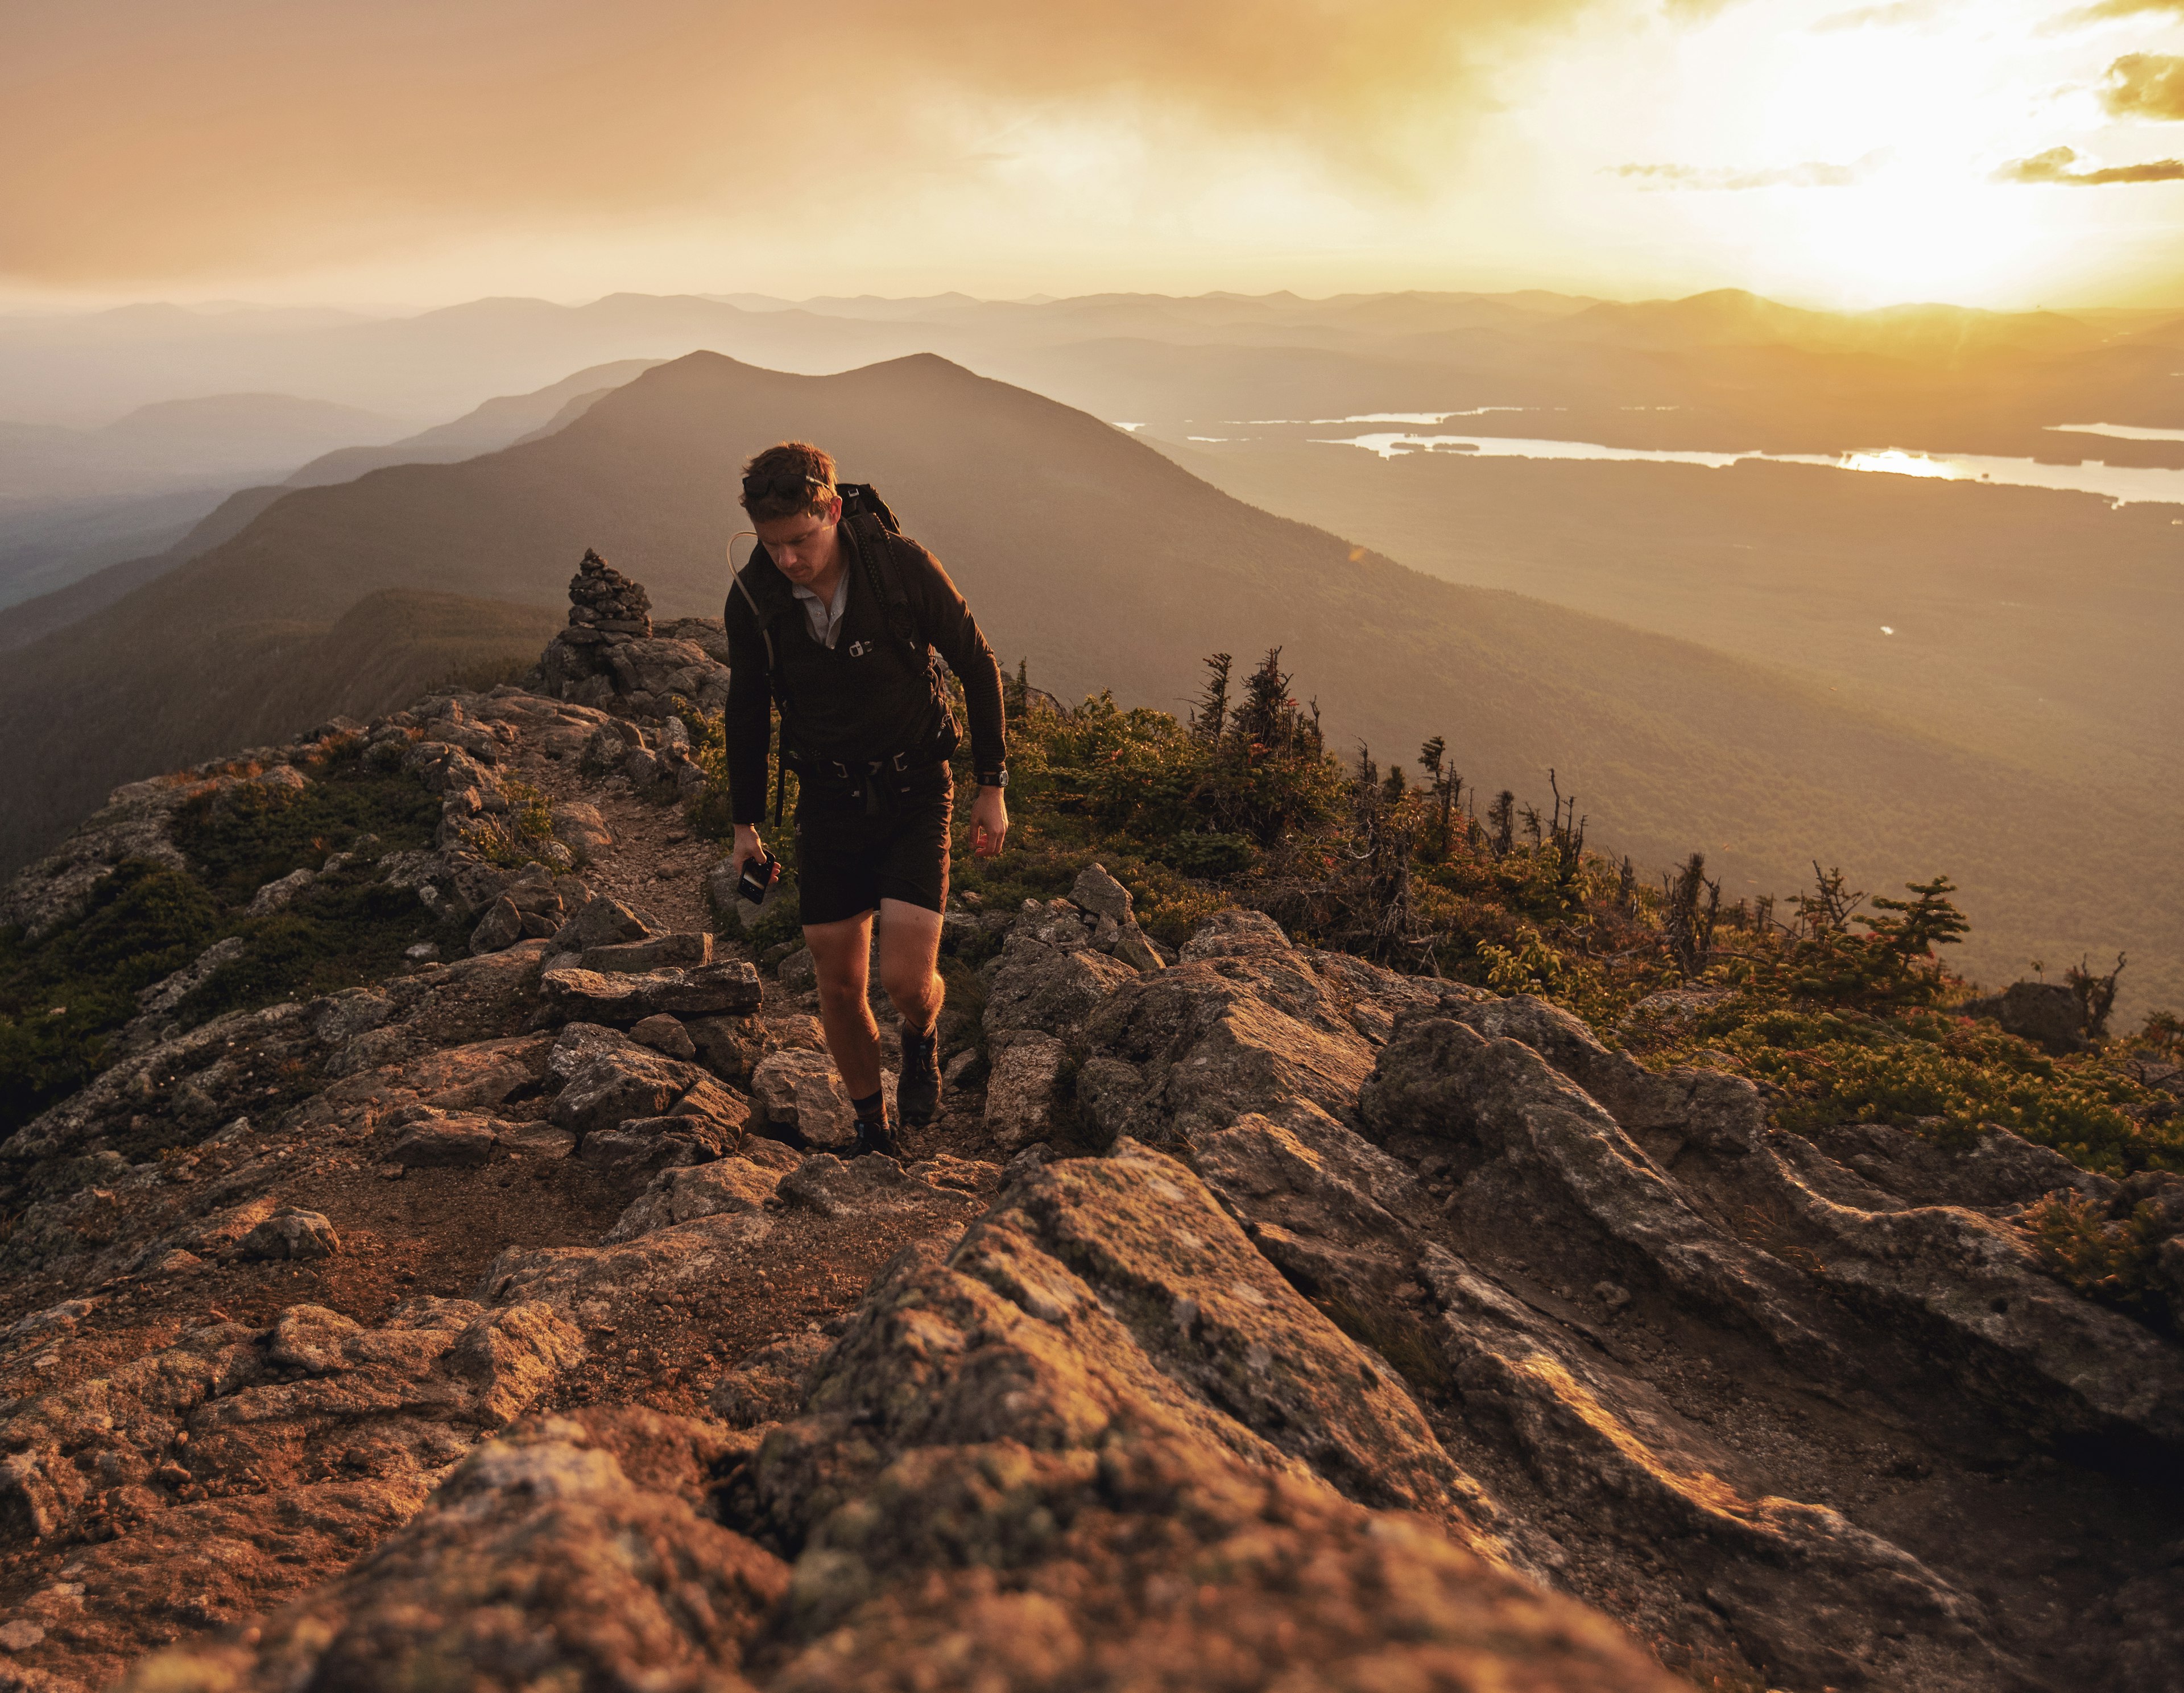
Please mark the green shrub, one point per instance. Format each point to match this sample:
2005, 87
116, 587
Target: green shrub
61, 999
2105, 1259
1945, 1074
239, 842
344, 931
521, 835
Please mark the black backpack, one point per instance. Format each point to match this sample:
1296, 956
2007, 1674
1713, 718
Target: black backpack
874, 527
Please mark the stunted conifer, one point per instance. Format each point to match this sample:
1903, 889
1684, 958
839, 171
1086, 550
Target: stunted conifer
1211, 718
1267, 721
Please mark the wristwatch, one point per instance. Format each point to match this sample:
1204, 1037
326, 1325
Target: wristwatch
994, 778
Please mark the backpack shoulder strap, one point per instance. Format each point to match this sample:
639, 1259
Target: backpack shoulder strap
876, 547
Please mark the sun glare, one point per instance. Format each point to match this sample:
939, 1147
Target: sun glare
1846, 156
1895, 461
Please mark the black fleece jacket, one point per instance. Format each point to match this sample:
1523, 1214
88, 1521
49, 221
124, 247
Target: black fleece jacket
866, 698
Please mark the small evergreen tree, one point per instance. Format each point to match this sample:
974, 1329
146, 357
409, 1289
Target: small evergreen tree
1447, 788
1927, 921
1268, 720
1689, 904
1826, 910
1211, 718
1502, 825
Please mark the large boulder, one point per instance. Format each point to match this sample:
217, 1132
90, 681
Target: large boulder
293, 1233
600, 921
2046, 1013
543, 1562
624, 1082
579, 826
1020, 1090
682, 1194
441, 1140
1047, 977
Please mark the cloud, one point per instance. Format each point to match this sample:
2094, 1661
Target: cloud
146, 139
1889, 17
1813, 173
2121, 9
2054, 166
2145, 85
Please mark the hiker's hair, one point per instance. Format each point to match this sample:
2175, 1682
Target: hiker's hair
788, 481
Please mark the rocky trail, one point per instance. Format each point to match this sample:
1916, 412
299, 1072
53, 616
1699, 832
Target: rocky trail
1252, 1317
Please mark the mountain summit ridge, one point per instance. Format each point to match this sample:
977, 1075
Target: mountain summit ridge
1248, 1303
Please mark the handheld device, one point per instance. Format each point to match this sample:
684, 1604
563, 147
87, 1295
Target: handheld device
756, 879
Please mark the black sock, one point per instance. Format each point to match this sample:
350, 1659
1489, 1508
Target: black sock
869, 1109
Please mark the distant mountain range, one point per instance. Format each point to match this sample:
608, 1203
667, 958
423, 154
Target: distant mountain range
487, 429
1103, 564
69, 582
1726, 369
92, 496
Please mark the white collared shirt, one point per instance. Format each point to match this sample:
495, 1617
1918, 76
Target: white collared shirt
825, 617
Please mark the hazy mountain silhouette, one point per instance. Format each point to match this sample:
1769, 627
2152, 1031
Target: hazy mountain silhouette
434, 364
1722, 371
1733, 316
1104, 565
497, 423
72, 499
173, 440
487, 429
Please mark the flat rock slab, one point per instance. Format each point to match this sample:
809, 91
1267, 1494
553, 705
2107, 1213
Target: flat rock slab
457, 1142
537, 1140
685, 951
614, 997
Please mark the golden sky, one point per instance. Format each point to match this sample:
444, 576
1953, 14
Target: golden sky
1994, 152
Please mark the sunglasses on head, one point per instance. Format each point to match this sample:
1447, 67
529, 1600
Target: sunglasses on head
785, 487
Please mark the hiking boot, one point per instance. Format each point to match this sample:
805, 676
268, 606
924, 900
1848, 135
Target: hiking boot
874, 1134
917, 1089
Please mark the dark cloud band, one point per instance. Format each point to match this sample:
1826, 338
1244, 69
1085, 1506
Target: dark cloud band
2054, 166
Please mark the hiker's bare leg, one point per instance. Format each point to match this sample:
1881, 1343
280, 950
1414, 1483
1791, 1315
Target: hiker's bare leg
909, 951
840, 954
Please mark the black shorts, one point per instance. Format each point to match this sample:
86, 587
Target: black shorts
848, 861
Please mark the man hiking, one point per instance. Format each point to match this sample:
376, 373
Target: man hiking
834, 619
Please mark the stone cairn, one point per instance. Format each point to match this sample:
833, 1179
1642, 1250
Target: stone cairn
604, 605
609, 656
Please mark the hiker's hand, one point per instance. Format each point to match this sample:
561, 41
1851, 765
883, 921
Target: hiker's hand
990, 822
747, 849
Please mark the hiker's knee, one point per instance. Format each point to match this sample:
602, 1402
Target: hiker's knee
839, 952
910, 942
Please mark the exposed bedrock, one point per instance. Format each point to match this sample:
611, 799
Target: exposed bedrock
1327, 1328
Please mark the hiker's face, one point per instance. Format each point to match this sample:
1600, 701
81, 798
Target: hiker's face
803, 545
